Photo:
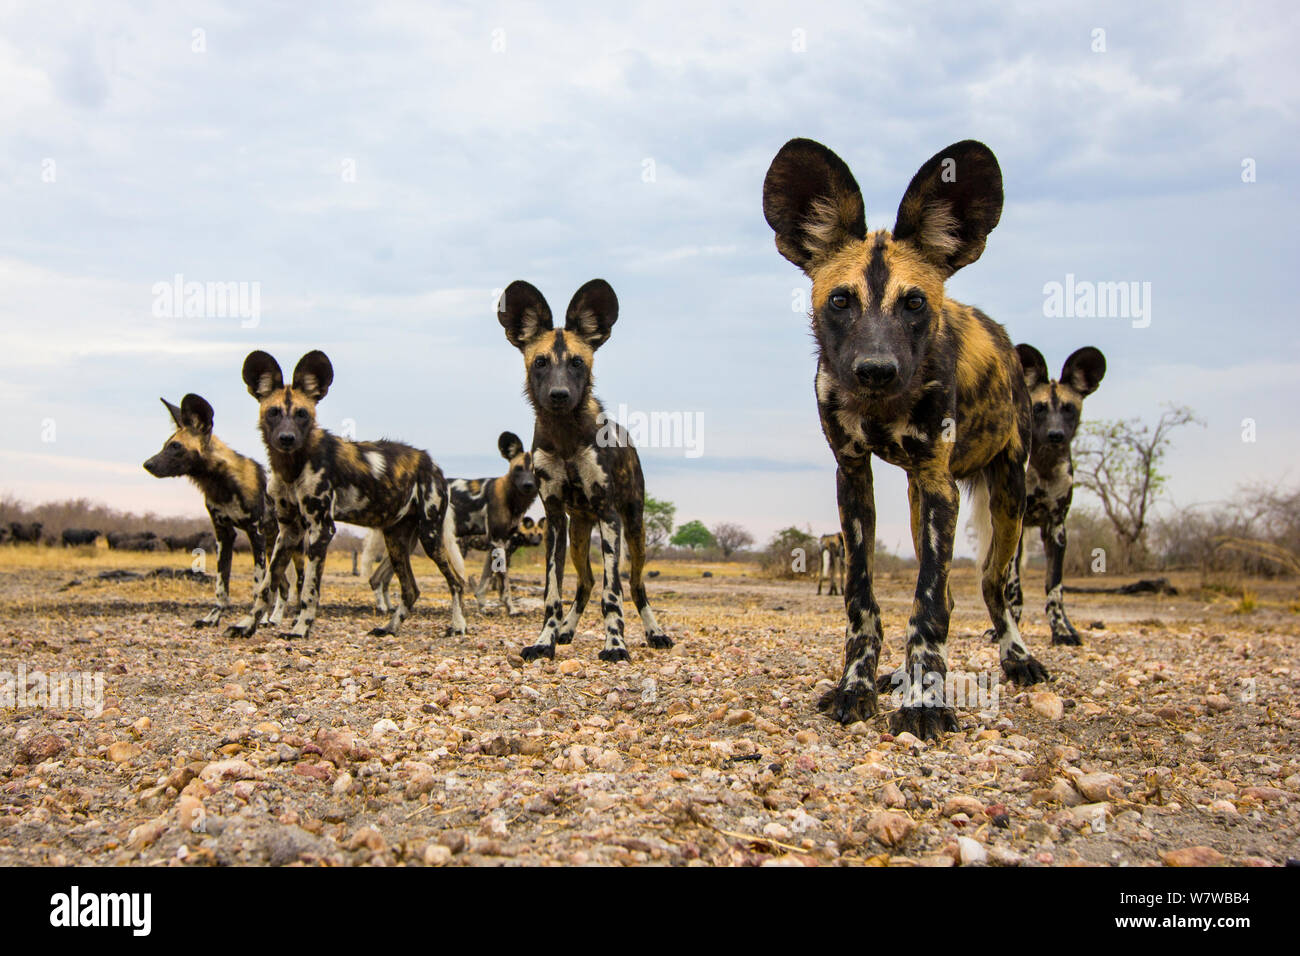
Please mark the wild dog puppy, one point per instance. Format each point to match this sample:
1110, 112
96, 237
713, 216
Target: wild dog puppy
832, 563
1056, 406
587, 470
490, 508
318, 478
922, 382
234, 492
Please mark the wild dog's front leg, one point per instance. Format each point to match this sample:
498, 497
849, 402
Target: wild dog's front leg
1005, 479
225, 535
319, 514
1054, 541
287, 541
855, 697
580, 555
611, 599
484, 579
557, 529
923, 709
1012, 592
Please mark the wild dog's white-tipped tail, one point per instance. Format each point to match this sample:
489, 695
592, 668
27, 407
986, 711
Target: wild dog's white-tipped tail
982, 520
450, 544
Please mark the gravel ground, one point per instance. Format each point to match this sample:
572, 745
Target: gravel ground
1169, 738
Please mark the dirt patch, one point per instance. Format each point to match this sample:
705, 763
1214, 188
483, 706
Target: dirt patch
1174, 726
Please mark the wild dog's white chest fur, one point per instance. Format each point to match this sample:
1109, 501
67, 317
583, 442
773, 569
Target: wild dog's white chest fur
582, 465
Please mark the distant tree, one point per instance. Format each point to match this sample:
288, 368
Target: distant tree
659, 517
693, 535
1119, 462
791, 552
730, 538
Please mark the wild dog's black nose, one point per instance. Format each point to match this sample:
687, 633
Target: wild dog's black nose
559, 397
285, 439
528, 484
1056, 437
151, 466
875, 372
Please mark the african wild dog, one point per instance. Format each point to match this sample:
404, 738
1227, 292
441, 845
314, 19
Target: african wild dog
485, 507
75, 537
920, 381
527, 534
234, 492
832, 562
1056, 407
588, 472
318, 478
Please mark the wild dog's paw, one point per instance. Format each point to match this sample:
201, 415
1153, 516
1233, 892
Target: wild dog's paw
241, 630
991, 636
1025, 670
533, 651
614, 654
564, 637
659, 639
451, 630
1067, 635
381, 631
201, 622
926, 723
848, 705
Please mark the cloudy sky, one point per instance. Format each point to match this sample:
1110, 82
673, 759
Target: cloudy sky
376, 172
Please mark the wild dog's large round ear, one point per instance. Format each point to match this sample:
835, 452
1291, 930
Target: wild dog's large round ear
313, 375
196, 413
262, 374
953, 202
509, 445
523, 313
1084, 370
1033, 363
592, 312
812, 202
175, 413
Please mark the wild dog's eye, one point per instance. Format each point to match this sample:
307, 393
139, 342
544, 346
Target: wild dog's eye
300, 414
575, 362
914, 302
839, 300
539, 362
1040, 408
175, 446
273, 412
1069, 410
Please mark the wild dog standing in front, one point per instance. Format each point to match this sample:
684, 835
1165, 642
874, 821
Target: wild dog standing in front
234, 492
586, 467
318, 478
487, 508
832, 562
1056, 407
920, 381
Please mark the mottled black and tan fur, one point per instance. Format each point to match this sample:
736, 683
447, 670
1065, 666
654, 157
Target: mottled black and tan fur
234, 492
318, 478
489, 509
587, 471
916, 379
